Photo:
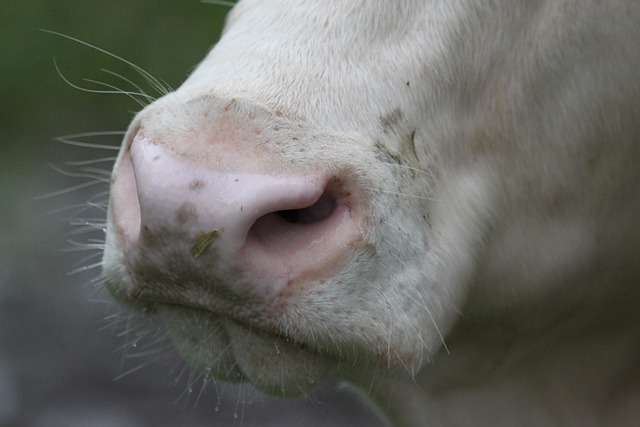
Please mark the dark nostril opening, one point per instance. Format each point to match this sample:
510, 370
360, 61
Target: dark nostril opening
320, 210
292, 216
298, 233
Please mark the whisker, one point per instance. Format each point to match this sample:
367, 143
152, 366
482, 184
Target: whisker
178, 377
219, 2
396, 165
68, 189
412, 196
423, 304
91, 162
132, 370
117, 91
149, 352
92, 256
206, 380
85, 268
104, 301
71, 139
89, 175
78, 208
152, 81
86, 246
97, 224
112, 321
131, 82
96, 171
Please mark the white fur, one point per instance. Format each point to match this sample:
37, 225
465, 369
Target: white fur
498, 282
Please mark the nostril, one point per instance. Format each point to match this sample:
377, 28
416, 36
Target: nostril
292, 230
320, 210
268, 226
292, 216
307, 237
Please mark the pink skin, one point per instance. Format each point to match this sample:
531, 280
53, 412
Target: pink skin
278, 229
285, 224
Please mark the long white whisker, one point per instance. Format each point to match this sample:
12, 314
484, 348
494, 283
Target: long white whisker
132, 83
114, 90
153, 82
423, 304
71, 139
91, 162
412, 196
85, 268
68, 189
219, 2
118, 91
90, 175
132, 370
396, 165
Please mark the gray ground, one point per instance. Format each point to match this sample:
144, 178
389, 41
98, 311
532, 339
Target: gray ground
60, 361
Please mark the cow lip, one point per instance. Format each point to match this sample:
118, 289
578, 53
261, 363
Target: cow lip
252, 327
257, 327
145, 300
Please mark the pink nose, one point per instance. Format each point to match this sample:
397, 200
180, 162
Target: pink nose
280, 227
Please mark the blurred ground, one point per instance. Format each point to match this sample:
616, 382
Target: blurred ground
59, 358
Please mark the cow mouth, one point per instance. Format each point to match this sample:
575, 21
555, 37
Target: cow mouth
223, 334
235, 351
158, 307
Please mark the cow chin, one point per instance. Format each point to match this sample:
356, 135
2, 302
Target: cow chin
230, 351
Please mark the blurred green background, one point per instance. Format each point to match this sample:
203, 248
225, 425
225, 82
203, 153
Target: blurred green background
57, 361
167, 38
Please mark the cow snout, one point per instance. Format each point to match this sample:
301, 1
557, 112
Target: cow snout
273, 228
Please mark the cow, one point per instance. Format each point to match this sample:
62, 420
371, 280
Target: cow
437, 202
